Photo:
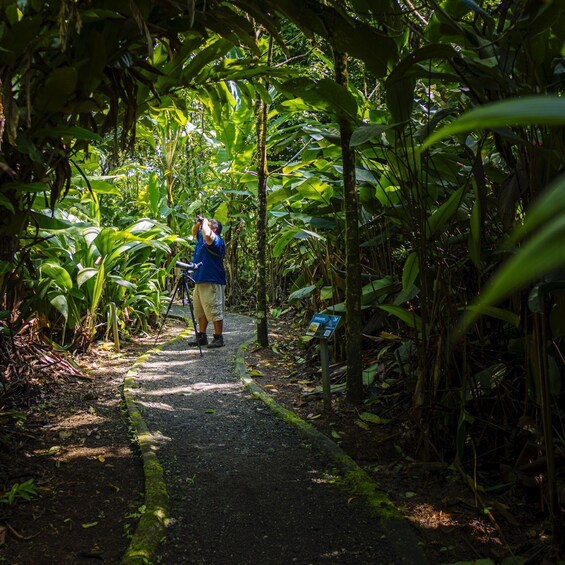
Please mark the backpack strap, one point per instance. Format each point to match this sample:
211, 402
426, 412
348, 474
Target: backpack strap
212, 252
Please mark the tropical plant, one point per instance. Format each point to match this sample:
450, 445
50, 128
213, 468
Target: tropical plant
24, 491
78, 271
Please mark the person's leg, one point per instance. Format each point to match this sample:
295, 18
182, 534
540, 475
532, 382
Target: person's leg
217, 316
202, 324
201, 337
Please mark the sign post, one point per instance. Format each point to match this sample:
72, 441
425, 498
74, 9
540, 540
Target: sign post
323, 326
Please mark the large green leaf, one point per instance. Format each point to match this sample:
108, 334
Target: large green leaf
530, 110
365, 133
445, 212
154, 193
433, 51
283, 240
99, 284
57, 274
314, 189
59, 301
411, 271
122, 282
98, 185
85, 275
339, 98
370, 293
106, 241
409, 318
400, 99
208, 55
325, 96
542, 254
302, 292
400, 84
279, 196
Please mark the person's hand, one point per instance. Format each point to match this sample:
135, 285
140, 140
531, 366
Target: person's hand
199, 219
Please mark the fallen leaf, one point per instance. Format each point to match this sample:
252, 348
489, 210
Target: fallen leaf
101, 458
387, 335
64, 434
362, 424
89, 525
210, 411
313, 416
373, 418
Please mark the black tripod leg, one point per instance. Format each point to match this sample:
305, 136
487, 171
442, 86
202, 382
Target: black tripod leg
177, 288
186, 292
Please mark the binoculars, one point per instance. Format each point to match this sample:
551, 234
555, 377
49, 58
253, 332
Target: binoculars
187, 266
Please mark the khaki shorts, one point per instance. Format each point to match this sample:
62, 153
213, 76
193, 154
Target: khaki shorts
209, 301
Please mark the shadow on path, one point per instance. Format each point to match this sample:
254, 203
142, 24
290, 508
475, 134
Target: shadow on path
244, 487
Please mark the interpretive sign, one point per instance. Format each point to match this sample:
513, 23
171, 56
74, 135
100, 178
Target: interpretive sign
322, 325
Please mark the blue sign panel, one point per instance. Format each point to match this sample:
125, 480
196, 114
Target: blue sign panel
323, 325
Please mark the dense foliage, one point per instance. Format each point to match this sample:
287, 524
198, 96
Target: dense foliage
120, 124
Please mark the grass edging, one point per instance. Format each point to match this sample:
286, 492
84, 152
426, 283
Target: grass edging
354, 478
151, 527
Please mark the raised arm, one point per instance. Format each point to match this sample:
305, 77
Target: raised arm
203, 224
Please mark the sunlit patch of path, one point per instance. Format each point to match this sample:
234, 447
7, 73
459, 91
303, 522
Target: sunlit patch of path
244, 488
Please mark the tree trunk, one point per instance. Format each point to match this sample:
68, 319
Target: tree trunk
261, 128
352, 263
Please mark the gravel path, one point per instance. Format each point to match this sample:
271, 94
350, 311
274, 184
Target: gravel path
244, 487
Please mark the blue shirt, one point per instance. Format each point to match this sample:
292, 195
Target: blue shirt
212, 259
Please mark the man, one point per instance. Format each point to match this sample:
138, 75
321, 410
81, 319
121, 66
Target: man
210, 279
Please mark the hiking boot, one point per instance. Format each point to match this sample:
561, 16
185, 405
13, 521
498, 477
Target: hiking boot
201, 339
218, 341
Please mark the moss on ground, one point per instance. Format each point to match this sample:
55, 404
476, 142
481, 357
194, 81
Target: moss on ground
352, 478
151, 528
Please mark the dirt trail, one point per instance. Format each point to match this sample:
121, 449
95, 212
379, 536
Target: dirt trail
244, 487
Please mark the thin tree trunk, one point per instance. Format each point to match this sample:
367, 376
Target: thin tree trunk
352, 263
540, 338
261, 127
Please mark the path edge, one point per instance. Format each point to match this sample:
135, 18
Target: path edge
151, 528
354, 478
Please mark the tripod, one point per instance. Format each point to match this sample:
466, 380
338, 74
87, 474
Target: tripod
182, 288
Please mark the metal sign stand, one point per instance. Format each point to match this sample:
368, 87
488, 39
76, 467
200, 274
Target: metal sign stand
323, 326
326, 387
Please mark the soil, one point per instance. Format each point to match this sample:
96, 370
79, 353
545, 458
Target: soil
76, 446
